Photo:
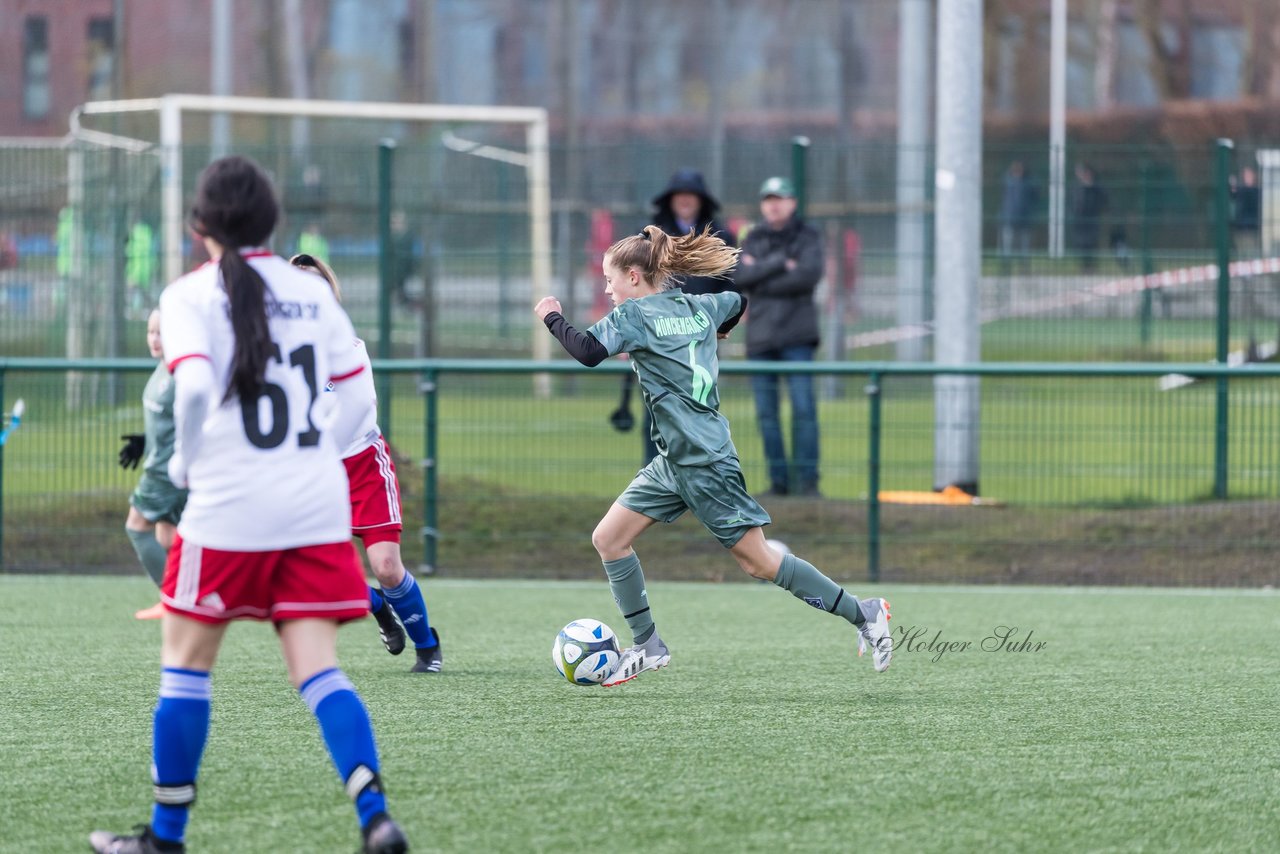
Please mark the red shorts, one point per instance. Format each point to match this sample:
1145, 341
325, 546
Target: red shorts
214, 586
375, 495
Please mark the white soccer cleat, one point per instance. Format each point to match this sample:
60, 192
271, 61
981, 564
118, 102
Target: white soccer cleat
875, 631
636, 660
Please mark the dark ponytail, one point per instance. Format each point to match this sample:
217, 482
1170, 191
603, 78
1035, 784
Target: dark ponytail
236, 206
246, 295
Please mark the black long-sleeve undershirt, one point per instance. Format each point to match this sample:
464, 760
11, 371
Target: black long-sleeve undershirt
582, 346
589, 351
728, 325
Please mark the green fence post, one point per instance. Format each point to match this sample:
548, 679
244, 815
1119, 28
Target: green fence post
504, 251
430, 528
873, 478
1144, 321
800, 171
1222, 235
386, 150
2, 426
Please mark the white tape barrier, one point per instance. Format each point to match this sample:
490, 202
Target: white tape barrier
1103, 290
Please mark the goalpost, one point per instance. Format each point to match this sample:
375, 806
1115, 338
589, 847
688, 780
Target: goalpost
170, 109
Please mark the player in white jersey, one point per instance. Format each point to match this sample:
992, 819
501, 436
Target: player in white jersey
260, 486
266, 534
375, 507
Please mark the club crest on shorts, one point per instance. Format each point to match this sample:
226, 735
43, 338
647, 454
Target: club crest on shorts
212, 600
816, 601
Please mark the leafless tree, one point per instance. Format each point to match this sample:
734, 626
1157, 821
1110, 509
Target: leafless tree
1166, 26
1024, 23
1103, 14
1260, 67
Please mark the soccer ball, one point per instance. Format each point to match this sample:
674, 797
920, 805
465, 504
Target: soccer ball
585, 652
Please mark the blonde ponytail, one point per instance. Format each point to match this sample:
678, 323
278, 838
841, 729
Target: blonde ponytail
660, 258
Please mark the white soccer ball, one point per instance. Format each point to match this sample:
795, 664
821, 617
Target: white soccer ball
586, 652
779, 546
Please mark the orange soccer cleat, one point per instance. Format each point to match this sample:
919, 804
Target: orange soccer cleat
155, 612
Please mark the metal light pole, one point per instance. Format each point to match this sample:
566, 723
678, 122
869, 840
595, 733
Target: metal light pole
1057, 125
957, 240
913, 138
220, 77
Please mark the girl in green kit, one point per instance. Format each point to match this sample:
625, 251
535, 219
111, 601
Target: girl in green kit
156, 505
671, 339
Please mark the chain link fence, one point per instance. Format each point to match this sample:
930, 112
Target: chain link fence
1089, 474
81, 242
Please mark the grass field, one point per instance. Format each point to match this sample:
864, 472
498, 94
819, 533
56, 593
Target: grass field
1145, 723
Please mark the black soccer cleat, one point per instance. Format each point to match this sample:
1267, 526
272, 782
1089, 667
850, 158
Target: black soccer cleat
384, 836
430, 659
144, 842
389, 629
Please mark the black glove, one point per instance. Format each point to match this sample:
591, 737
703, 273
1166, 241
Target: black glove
621, 418
135, 445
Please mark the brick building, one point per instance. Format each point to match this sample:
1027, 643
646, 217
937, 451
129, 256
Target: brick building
57, 54
638, 65
53, 55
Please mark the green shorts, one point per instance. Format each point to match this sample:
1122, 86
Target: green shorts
717, 495
158, 500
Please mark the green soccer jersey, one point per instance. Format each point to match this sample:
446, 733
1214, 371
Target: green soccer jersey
157, 419
671, 338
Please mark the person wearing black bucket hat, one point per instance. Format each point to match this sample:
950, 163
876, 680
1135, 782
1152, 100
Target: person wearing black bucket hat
685, 205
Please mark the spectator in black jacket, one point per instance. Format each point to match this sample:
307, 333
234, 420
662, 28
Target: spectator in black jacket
1017, 212
686, 205
1088, 204
1246, 218
779, 269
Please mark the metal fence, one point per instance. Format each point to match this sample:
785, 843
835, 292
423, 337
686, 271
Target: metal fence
1090, 473
84, 270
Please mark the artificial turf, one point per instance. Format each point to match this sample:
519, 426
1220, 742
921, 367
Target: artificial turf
1146, 721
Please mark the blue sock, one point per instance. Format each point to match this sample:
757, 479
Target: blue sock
344, 724
178, 738
406, 599
375, 599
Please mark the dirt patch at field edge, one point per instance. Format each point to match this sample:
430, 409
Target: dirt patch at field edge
1231, 544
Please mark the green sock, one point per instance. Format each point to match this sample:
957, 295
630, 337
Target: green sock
150, 552
803, 580
626, 580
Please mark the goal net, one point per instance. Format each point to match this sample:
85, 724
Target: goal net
467, 208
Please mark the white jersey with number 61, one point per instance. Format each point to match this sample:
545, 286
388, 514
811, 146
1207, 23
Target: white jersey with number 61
359, 393
268, 474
